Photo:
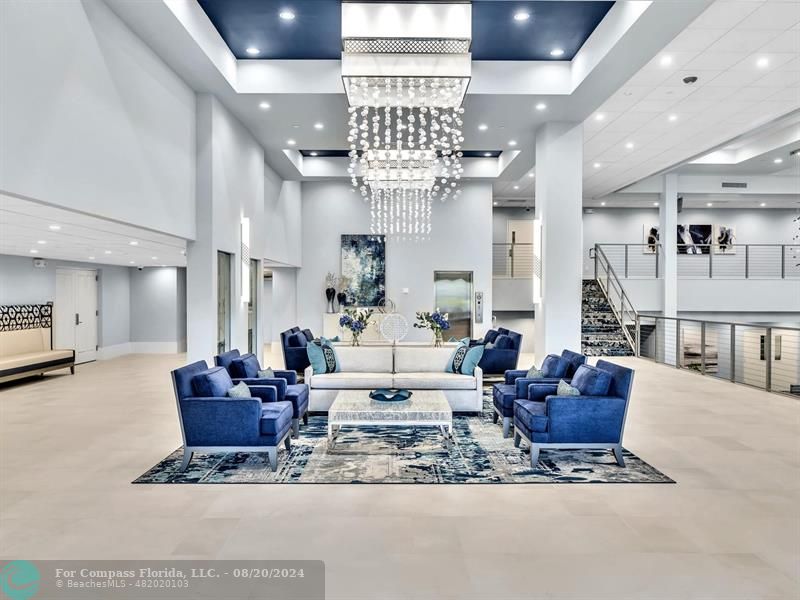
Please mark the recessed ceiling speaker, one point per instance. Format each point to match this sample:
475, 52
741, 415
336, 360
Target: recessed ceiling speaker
39, 263
690, 80
734, 184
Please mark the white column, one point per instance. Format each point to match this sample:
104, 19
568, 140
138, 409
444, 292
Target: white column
559, 204
668, 232
668, 228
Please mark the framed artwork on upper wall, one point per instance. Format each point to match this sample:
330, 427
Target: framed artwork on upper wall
364, 266
651, 236
694, 239
724, 239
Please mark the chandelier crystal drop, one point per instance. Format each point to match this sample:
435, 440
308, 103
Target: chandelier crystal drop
405, 148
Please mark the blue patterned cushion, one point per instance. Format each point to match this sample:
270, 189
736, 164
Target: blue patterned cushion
591, 381
323, 358
464, 359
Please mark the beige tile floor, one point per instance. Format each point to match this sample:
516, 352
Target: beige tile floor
730, 528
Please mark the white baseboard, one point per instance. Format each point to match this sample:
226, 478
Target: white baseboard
109, 352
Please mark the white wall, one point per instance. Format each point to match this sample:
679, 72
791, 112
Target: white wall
158, 310
92, 119
284, 302
230, 185
269, 311
282, 203
460, 241
501, 216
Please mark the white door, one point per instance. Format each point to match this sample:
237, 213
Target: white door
520, 254
75, 318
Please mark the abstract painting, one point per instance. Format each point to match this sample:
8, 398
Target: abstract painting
364, 266
651, 237
694, 239
724, 238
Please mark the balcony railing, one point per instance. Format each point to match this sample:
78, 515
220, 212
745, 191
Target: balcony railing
761, 356
512, 261
706, 261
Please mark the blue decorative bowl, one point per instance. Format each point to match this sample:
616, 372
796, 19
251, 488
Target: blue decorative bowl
390, 395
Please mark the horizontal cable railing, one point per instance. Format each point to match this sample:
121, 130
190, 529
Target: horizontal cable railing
761, 356
512, 261
706, 261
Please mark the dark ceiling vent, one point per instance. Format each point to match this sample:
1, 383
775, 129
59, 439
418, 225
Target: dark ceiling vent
734, 184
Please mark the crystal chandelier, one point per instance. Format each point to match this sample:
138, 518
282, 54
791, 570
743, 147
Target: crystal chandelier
405, 93
405, 149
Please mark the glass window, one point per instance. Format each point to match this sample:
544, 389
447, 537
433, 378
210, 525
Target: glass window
223, 301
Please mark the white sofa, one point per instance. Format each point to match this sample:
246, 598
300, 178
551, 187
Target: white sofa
410, 367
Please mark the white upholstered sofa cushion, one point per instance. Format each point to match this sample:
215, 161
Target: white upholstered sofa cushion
417, 359
351, 381
363, 359
434, 381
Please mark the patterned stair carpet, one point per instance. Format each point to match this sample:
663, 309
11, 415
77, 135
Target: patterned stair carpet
478, 454
601, 333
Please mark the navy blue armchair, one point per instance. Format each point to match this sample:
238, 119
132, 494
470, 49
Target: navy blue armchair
245, 367
211, 422
516, 384
501, 350
594, 419
294, 342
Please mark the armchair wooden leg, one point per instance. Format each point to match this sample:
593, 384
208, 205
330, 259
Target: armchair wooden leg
506, 426
295, 428
272, 458
495, 416
534, 456
187, 456
72, 370
618, 456
517, 439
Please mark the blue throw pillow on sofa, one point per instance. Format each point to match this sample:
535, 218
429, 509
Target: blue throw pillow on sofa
464, 359
323, 357
591, 381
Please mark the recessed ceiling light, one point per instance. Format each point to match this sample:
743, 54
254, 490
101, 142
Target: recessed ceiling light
778, 161
33, 251
41, 242
597, 165
495, 203
54, 227
516, 187
522, 15
602, 204
319, 126
312, 154
655, 203
599, 117
665, 61
253, 51
133, 243
133, 262
512, 142
541, 106
487, 154
291, 142
709, 204
286, 15
107, 252
154, 257
556, 52
483, 127
673, 118
763, 204
91, 258
531, 174
264, 105
762, 63
629, 145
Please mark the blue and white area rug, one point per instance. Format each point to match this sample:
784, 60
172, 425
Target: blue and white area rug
479, 454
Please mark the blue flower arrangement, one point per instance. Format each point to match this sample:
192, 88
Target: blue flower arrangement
436, 321
356, 321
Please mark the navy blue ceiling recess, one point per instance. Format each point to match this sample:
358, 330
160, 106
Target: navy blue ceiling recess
315, 31
344, 153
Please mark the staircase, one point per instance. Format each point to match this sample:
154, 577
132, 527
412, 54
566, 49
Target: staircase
601, 333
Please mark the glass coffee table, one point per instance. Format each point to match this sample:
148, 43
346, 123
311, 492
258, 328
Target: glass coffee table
425, 408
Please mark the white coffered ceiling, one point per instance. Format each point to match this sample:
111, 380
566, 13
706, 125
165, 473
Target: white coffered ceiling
40, 231
746, 56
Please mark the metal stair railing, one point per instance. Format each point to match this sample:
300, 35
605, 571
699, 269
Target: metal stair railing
618, 300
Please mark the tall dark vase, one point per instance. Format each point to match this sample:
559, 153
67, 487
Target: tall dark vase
342, 298
330, 294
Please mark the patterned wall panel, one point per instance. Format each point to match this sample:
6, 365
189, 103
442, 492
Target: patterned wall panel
14, 317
